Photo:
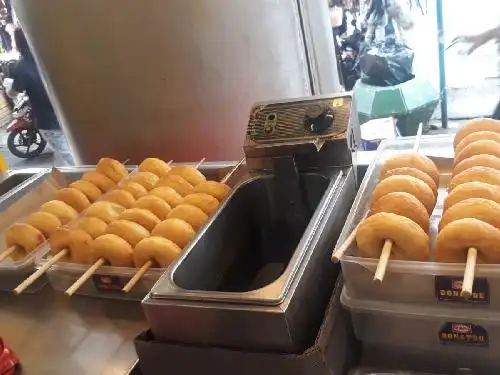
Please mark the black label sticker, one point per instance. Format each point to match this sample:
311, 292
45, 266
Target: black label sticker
106, 283
448, 290
463, 334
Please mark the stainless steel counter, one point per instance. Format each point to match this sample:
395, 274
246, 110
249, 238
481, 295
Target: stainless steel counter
56, 335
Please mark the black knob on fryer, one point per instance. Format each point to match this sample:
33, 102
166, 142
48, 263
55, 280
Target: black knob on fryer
318, 118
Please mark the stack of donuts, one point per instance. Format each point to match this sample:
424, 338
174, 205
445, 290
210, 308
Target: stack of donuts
471, 215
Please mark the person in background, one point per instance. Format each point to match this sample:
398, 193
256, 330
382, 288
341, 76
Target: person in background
26, 78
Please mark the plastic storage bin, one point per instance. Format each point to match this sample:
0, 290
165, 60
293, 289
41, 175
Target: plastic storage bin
425, 283
468, 334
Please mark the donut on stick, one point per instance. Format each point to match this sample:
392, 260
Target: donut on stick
21, 239
477, 136
476, 125
473, 189
480, 174
479, 147
480, 160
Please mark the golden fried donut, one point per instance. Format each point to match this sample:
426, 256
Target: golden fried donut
158, 249
410, 242
417, 173
98, 179
481, 160
146, 179
156, 166
74, 197
142, 217
476, 148
479, 174
121, 197
403, 204
91, 191
176, 230
475, 208
128, 230
190, 214
45, 222
156, 205
92, 225
215, 189
406, 184
176, 182
190, 174
168, 194
114, 249
455, 239
478, 136
25, 237
137, 190
112, 169
472, 190
412, 160
106, 211
476, 125
63, 211
76, 241
207, 203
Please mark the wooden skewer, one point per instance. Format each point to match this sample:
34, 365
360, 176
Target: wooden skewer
141, 271
470, 267
36, 275
199, 163
7, 253
338, 253
78, 283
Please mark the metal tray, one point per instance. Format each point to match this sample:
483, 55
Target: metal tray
427, 283
108, 281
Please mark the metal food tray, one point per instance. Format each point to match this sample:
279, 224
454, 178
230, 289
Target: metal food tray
108, 281
427, 283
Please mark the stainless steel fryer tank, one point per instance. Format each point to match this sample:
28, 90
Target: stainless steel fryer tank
258, 275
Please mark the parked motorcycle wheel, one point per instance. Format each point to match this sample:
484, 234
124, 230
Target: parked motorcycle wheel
26, 143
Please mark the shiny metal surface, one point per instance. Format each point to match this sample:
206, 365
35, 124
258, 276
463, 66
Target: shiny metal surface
56, 335
15, 183
175, 79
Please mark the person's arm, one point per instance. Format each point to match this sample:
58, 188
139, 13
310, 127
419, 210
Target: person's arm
18, 81
478, 40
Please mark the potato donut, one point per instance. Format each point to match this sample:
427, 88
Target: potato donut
142, 217
410, 242
480, 160
190, 174
215, 189
168, 194
406, 184
121, 197
112, 169
156, 166
76, 241
106, 211
158, 249
98, 179
478, 136
114, 249
45, 222
156, 205
476, 148
476, 125
92, 225
190, 214
63, 211
25, 237
455, 239
176, 182
137, 190
480, 174
146, 179
91, 191
128, 230
407, 171
74, 197
402, 204
475, 208
176, 230
472, 190
412, 160
207, 203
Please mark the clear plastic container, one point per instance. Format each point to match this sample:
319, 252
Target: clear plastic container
425, 283
467, 334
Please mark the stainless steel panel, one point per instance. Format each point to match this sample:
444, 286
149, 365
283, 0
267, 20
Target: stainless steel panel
175, 79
